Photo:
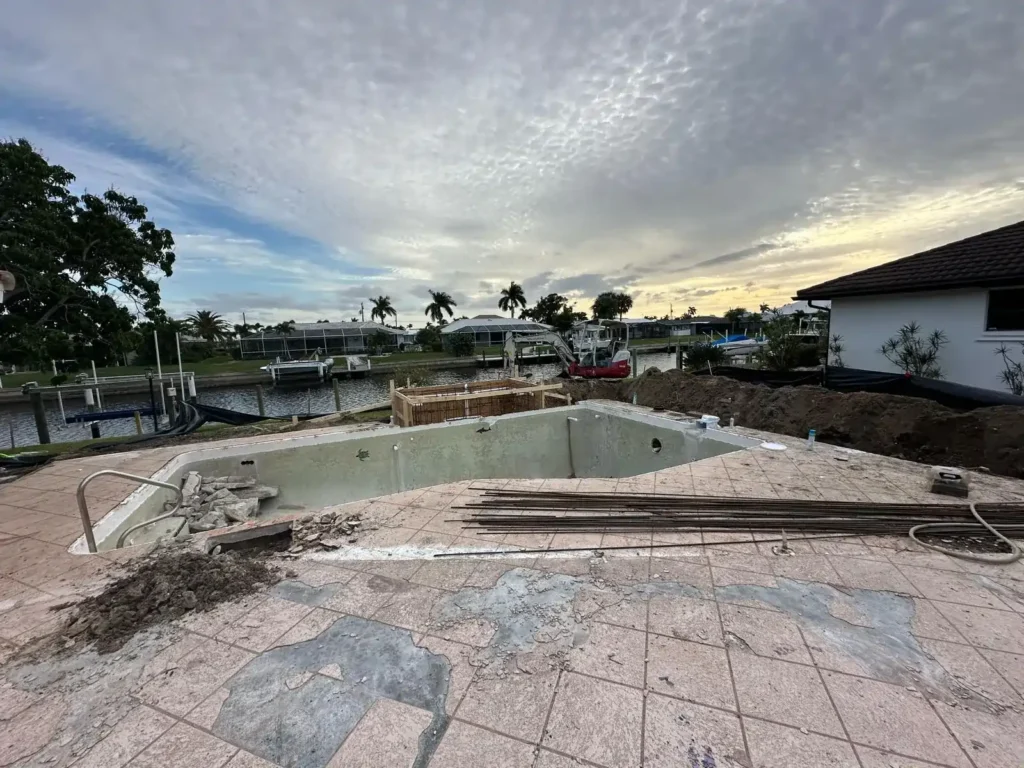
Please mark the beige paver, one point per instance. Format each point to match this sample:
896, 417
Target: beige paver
586, 703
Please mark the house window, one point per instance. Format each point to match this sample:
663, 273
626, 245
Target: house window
1005, 310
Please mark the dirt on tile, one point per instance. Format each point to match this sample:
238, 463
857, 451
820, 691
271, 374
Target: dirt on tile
161, 588
893, 425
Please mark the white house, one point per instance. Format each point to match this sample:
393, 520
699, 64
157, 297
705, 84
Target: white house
489, 330
971, 290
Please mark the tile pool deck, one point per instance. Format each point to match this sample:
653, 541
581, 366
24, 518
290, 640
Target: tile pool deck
863, 651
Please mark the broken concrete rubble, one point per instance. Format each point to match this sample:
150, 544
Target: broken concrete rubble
327, 530
216, 502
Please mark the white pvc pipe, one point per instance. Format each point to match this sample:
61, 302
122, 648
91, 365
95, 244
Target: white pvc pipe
60, 398
181, 373
95, 380
159, 374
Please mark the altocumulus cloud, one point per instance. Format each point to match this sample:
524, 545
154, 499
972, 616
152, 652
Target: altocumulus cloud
669, 148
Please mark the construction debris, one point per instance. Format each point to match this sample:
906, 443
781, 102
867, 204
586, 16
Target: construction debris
326, 530
160, 589
217, 502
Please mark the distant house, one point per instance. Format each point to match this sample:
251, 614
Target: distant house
490, 330
642, 328
332, 338
701, 325
972, 290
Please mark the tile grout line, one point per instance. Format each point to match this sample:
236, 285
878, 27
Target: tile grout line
828, 693
949, 730
521, 740
728, 661
646, 691
547, 717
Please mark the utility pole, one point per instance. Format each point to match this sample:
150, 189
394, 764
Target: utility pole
362, 315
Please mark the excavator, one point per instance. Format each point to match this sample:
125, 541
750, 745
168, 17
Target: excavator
593, 358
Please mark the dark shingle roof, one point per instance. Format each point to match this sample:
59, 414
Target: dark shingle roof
993, 258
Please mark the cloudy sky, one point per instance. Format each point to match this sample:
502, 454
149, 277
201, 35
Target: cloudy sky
311, 153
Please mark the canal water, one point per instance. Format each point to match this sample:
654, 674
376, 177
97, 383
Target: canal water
279, 401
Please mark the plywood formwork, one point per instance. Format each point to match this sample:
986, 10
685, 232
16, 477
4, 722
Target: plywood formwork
414, 406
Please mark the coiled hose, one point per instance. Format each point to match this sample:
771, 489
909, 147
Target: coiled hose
1012, 557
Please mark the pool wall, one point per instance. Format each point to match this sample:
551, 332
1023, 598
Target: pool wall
585, 440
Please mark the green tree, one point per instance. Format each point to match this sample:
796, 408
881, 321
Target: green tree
208, 325
380, 341
430, 338
511, 298
79, 262
460, 344
556, 311
165, 329
735, 316
382, 309
609, 305
605, 306
440, 302
690, 312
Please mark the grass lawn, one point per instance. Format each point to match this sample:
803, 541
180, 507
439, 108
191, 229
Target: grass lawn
213, 365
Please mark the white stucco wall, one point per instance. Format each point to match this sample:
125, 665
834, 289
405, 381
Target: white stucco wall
970, 356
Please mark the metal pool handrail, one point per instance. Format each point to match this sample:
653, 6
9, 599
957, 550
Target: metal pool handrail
83, 505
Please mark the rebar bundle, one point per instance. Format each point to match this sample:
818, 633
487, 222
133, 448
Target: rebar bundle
522, 512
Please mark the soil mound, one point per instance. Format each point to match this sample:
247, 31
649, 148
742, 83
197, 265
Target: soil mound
893, 425
162, 588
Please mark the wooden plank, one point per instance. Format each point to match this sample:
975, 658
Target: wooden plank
477, 395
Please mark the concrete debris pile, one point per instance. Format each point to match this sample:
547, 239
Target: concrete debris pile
217, 502
326, 530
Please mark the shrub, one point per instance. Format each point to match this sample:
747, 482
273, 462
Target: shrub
460, 344
429, 338
807, 355
1013, 371
781, 351
411, 375
379, 342
836, 349
702, 354
914, 354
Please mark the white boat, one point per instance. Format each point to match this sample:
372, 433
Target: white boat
739, 346
300, 371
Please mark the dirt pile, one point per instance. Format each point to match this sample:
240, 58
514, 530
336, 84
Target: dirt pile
892, 425
162, 588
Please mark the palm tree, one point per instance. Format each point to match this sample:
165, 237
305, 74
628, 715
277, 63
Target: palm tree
691, 312
623, 303
283, 328
511, 298
382, 309
208, 325
440, 302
